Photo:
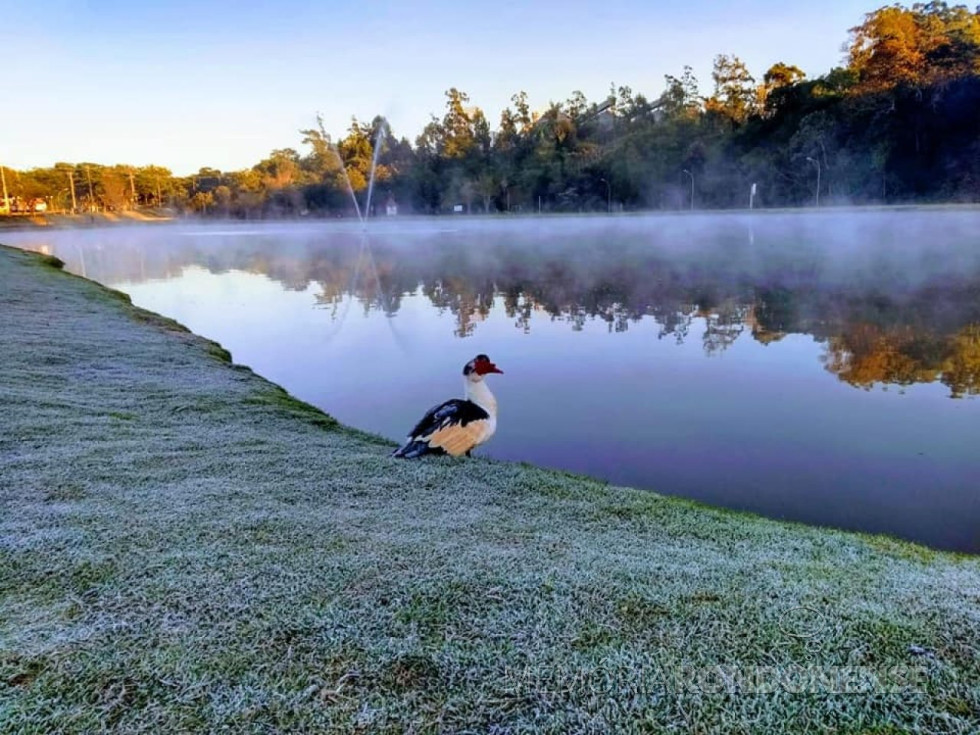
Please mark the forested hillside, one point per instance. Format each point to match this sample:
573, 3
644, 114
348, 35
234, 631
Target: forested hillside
898, 122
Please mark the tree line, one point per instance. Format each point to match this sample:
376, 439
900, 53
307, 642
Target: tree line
897, 122
878, 325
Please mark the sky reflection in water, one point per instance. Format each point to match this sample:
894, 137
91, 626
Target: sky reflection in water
820, 368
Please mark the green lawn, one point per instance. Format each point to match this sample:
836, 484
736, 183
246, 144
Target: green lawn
185, 547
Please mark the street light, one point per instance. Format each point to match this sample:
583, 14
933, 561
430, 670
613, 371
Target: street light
6, 199
692, 187
608, 195
815, 162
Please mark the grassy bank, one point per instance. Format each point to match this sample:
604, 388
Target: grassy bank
99, 219
184, 547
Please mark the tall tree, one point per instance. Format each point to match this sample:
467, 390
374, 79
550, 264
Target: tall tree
457, 126
734, 96
681, 98
925, 44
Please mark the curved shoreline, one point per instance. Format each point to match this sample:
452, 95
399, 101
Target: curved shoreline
184, 546
35, 222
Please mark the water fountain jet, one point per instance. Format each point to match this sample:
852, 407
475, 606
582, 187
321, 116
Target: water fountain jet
378, 140
362, 216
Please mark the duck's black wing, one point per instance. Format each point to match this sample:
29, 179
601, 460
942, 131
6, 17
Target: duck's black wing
453, 427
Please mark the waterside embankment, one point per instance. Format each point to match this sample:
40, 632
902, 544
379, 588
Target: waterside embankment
63, 220
185, 547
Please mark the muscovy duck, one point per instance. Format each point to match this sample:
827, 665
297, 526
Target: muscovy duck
457, 426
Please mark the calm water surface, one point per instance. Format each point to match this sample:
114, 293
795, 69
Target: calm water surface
822, 368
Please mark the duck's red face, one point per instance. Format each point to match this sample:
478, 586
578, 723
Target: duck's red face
483, 366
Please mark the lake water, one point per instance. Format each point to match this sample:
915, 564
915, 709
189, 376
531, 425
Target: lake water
817, 367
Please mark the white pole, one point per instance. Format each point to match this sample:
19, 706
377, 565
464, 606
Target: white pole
71, 184
816, 163
6, 199
692, 187
91, 195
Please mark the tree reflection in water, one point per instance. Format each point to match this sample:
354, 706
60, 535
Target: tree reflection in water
894, 301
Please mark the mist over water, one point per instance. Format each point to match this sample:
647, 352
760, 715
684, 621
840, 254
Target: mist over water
820, 367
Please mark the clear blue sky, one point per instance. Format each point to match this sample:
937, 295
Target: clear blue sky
190, 84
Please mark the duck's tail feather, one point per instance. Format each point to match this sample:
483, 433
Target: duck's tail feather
412, 449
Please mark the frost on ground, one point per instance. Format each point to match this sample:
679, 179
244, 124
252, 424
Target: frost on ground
184, 547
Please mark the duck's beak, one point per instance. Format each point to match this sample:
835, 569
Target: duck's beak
484, 368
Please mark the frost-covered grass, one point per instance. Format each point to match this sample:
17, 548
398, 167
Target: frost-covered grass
185, 547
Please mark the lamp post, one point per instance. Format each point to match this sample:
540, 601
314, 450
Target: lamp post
6, 199
692, 187
71, 185
608, 195
816, 163
91, 194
